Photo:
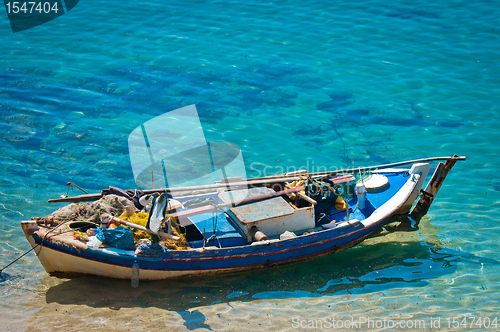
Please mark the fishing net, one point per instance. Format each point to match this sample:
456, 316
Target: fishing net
90, 211
172, 244
139, 218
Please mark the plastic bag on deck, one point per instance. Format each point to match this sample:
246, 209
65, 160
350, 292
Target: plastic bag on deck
119, 237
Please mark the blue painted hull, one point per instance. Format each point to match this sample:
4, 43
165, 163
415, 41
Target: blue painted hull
237, 257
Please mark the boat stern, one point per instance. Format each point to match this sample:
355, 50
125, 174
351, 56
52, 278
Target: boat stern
29, 228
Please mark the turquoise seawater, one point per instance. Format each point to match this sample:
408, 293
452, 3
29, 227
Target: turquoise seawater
309, 83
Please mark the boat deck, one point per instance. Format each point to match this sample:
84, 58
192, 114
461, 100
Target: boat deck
227, 235
374, 199
219, 231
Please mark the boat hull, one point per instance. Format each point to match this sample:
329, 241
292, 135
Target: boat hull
108, 262
57, 258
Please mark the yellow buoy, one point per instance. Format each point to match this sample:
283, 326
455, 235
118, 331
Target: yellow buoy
340, 204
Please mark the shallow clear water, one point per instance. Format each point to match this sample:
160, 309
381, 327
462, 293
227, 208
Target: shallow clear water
294, 84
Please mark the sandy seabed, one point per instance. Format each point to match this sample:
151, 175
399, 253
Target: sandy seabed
278, 299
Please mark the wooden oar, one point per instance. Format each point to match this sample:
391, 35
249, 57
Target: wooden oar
257, 181
141, 228
235, 185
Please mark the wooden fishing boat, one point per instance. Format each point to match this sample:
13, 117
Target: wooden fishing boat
265, 228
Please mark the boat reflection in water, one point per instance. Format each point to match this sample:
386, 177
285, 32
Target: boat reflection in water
393, 258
